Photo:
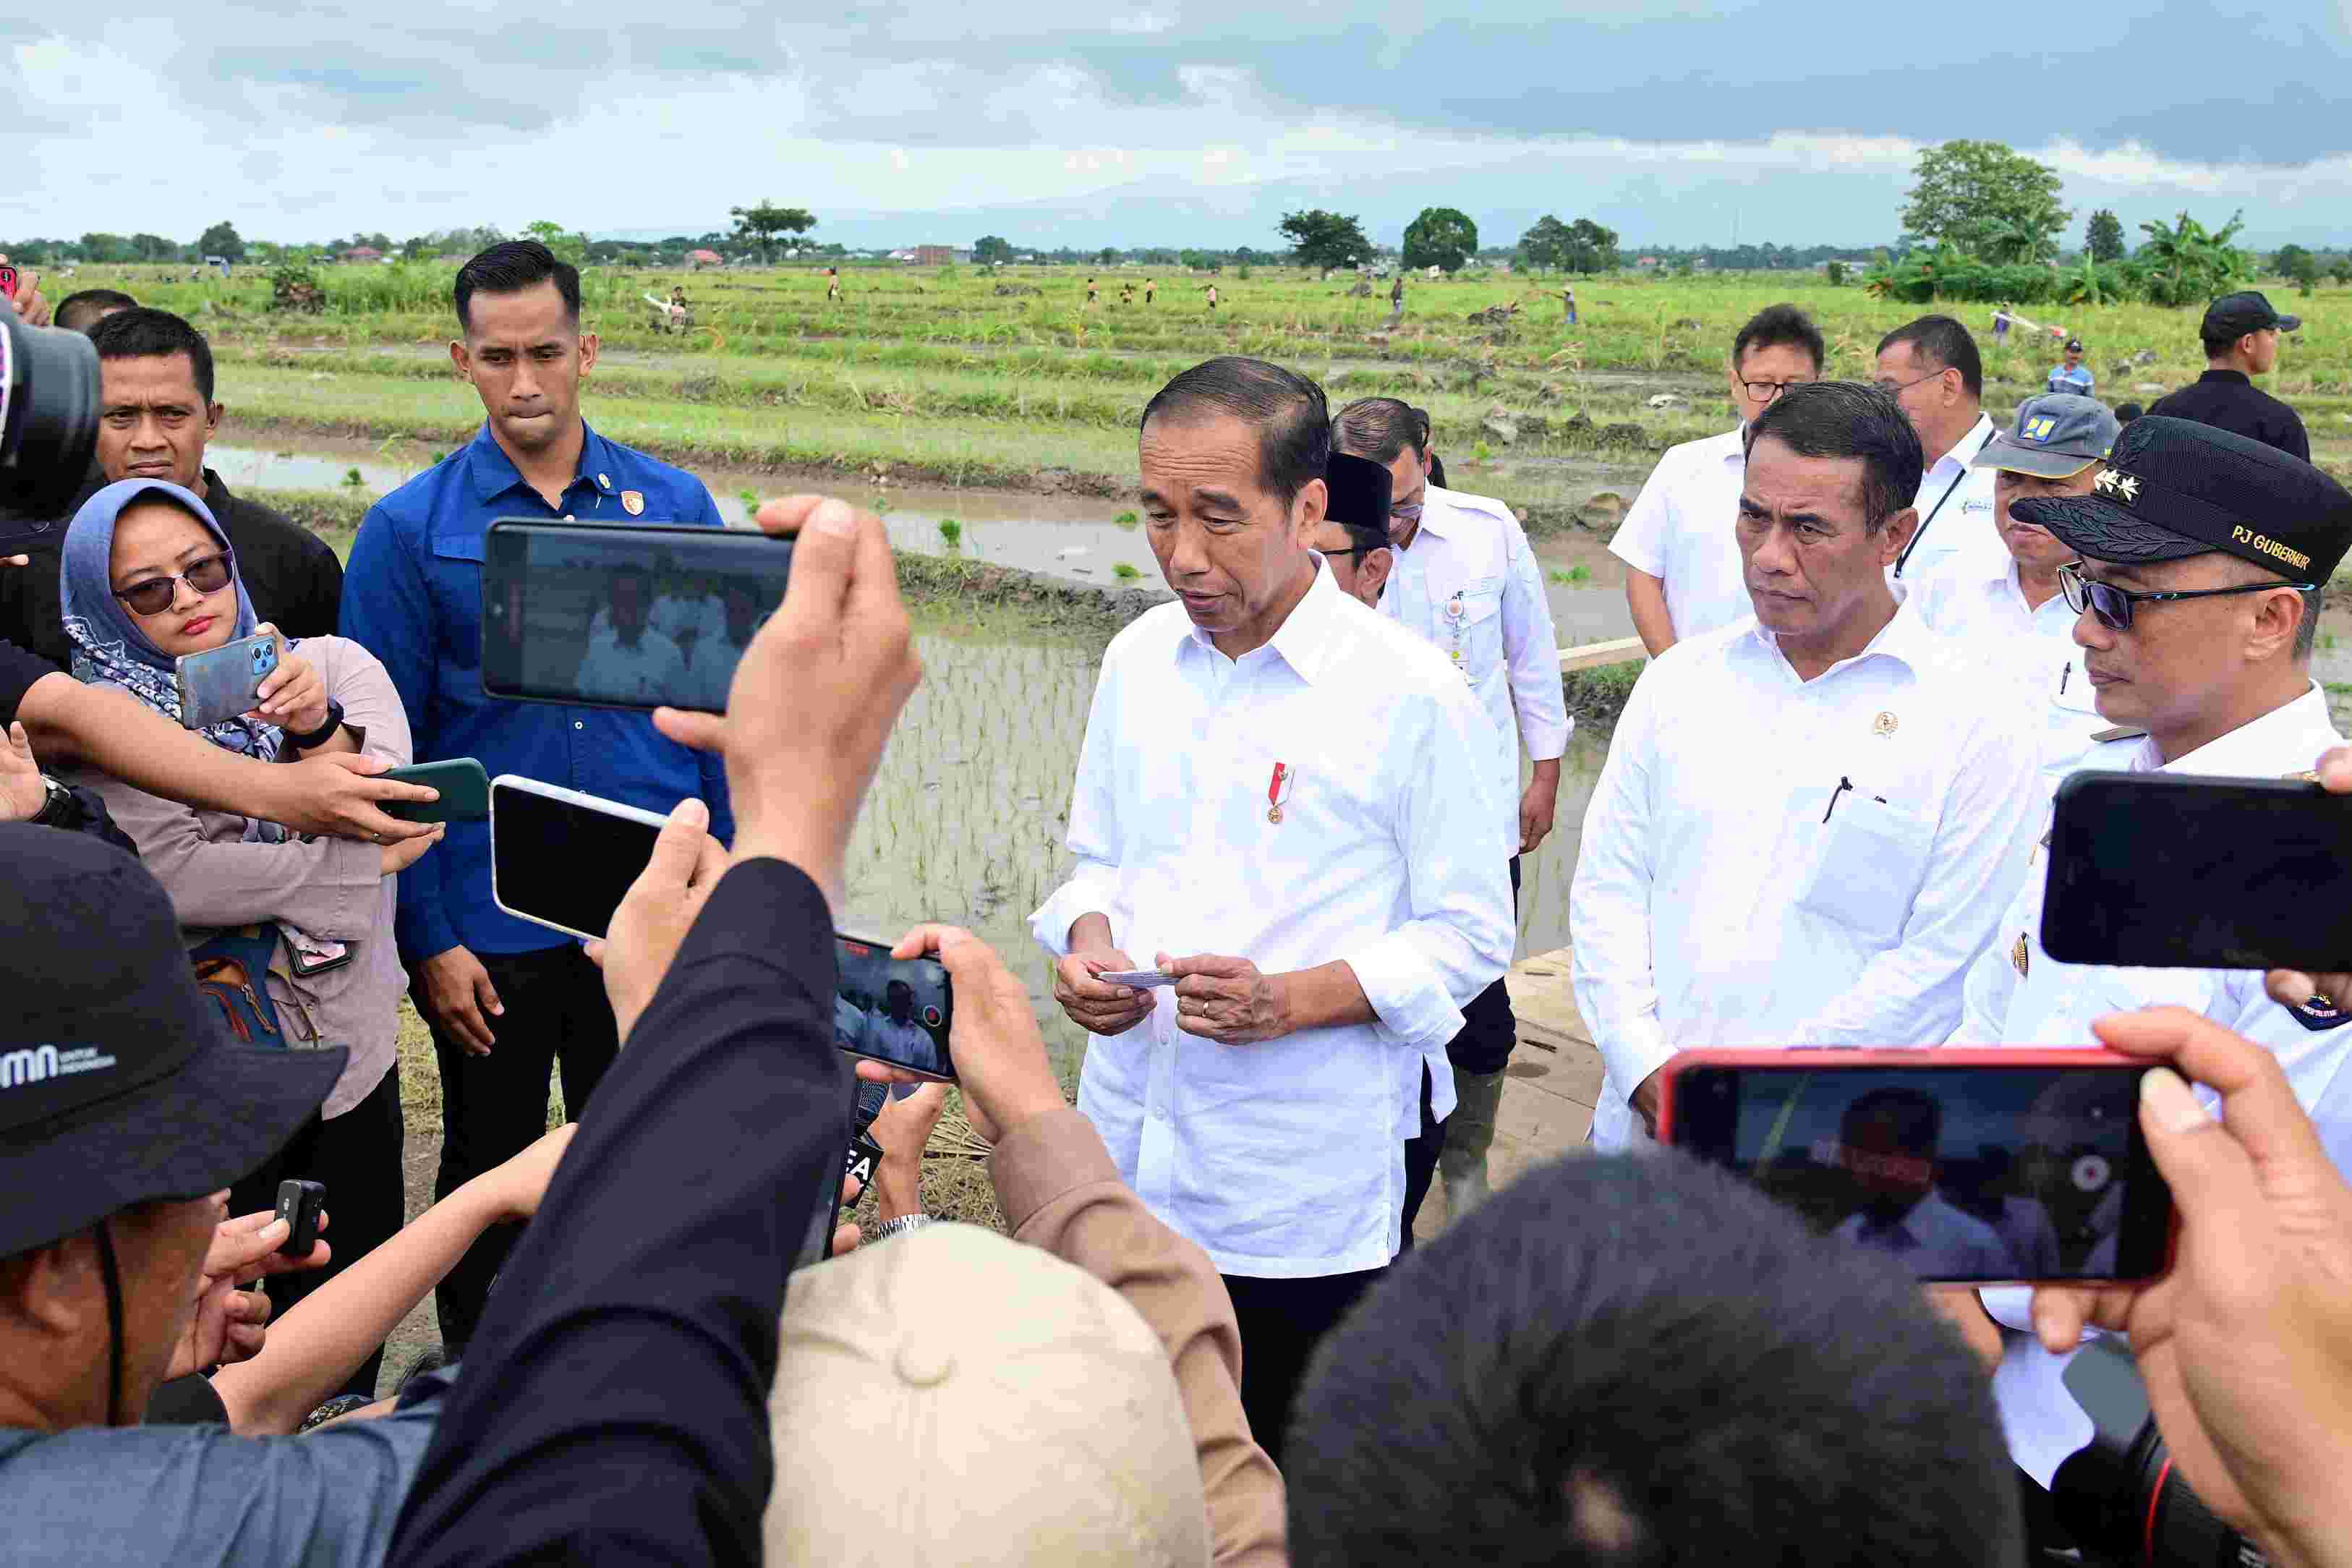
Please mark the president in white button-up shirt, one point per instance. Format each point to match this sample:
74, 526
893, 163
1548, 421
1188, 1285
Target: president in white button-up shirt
1932, 367
1281, 800
1682, 572
2217, 683
1809, 822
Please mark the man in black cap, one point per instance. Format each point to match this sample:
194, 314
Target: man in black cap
1353, 537
2242, 336
2197, 598
2074, 376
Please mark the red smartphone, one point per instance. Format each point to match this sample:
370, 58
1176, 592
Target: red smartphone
8, 281
1970, 1166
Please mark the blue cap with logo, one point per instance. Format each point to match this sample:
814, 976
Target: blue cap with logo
2057, 435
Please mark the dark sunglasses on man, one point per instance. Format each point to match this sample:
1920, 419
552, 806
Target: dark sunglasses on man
2112, 606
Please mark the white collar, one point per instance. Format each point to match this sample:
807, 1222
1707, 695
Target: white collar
1965, 451
1305, 637
1901, 638
2294, 731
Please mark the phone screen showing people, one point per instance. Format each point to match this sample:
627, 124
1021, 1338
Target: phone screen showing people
624, 616
1963, 1173
895, 1010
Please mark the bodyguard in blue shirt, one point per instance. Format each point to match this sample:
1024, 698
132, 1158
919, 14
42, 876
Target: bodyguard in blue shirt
508, 1000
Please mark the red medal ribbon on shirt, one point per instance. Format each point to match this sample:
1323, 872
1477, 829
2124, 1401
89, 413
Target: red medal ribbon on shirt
1275, 791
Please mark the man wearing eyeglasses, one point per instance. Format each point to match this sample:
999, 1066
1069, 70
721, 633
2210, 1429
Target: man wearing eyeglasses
2198, 593
1353, 537
1932, 367
2015, 612
1682, 572
1464, 579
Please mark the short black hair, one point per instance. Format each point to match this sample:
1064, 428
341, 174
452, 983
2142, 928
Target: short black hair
1945, 341
76, 311
1380, 428
510, 266
1850, 419
1917, 1115
1293, 419
1778, 325
2219, 347
1638, 1361
144, 332
2127, 412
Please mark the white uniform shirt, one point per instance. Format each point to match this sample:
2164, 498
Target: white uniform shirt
1471, 586
1933, 1238
1956, 516
1714, 906
649, 670
1683, 531
2017, 994
1284, 1159
1988, 616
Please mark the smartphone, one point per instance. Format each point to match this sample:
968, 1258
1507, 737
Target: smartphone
225, 681
2160, 871
894, 1010
564, 859
624, 616
465, 792
1970, 1166
299, 1204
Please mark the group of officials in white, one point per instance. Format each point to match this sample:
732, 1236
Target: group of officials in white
1882, 629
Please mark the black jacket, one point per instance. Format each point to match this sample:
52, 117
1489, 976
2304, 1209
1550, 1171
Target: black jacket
292, 575
2226, 400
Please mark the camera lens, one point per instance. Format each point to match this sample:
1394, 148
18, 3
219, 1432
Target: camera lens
48, 416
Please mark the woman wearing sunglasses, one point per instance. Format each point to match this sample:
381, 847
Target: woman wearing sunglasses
147, 577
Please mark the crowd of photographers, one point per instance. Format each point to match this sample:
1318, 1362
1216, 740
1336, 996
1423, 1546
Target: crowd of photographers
1616, 1360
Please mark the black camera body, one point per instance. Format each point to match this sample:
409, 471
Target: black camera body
49, 427
2119, 1496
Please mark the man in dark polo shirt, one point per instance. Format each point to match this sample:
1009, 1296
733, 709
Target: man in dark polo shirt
157, 415
2242, 337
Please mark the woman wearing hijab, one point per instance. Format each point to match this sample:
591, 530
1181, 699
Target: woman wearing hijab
147, 576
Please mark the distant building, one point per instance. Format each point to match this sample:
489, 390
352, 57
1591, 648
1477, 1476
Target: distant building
699, 259
934, 254
363, 253
1647, 264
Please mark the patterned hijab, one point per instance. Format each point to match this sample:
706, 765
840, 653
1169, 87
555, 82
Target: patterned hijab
110, 648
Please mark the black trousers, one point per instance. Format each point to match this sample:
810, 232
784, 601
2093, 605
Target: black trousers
494, 1106
358, 1156
1490, 1031
1281, 1322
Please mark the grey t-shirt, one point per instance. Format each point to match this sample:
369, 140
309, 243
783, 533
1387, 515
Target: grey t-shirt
202, 1497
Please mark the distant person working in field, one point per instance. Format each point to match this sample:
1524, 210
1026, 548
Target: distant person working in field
156, 417
1680, 543
1326, 881
832, 284
1568, 303
1151, 286
2019, 614
2241, 333
1932, 368
1212, 295
1090, 291
507, 1000
1464, 580
2072, 375
1396, 293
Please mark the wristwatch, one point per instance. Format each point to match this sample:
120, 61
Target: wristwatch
903, 1223
324, 733
57, 809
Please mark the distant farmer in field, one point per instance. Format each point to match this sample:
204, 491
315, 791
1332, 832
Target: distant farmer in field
2241, 337
1127, 293
2074, 376
1932, 368
1464, 580
1567, 299
2000, 321
1090, 291
1683, 572
1150, 286
1213, 296
1396, 293
832, 284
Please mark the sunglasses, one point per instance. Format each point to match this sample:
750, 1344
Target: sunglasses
155, 596
2112, 606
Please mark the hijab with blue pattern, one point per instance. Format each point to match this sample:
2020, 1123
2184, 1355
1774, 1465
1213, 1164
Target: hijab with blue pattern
110, 646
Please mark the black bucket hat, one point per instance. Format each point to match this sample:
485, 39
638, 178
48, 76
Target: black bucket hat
118, 1081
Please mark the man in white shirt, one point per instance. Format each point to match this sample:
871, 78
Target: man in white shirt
1807, 825
1932, 367
1464, 578
2016, 614
628, 661
896, 1035
1682, 557
1887, 1142
2201, 557
1276, 803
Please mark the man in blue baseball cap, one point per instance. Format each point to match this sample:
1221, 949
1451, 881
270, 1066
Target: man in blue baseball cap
2015, 616
2241, 333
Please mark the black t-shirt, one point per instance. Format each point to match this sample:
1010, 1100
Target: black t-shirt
18, 670
2226, 400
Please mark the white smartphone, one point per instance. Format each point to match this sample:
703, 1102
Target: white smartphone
563, 859
1141, 979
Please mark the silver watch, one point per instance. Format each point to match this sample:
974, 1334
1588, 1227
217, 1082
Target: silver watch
901, 1226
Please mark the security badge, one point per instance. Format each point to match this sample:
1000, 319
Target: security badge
633, 502
1455, 612
2117, 485
1883, 724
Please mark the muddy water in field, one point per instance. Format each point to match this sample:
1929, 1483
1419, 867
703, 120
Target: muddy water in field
966, 817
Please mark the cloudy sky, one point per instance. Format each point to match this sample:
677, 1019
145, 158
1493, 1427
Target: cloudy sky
1157, 122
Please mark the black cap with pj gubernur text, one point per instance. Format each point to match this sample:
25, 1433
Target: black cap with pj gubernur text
2172, 487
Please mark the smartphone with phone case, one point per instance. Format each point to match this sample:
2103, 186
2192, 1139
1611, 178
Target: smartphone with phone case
2158, 871
464, 789
1969, 1167
218, 685
299, 1204
624, 616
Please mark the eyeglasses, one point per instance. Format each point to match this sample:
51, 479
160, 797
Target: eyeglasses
155, 596
1893, 388
2112, 606
1768, 391
1409, 512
